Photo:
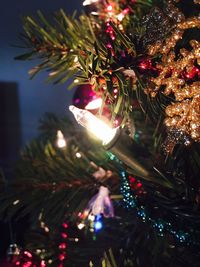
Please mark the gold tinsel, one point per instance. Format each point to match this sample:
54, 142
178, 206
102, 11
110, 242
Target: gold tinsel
184, 113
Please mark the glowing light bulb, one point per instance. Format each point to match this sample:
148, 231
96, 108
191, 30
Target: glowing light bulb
61, 142
16, 202
78, 155
94, 104
98, 226
46, 229
122, 15
89, 2
109, 8
76, 81
81, 226
97, 127
91, 217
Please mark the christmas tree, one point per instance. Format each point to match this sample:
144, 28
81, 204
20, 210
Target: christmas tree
125, 191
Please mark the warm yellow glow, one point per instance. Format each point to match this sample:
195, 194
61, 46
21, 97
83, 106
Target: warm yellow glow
78, 155
120, 16
91, 217
97, 127
75, 59
16, 202
76, 81
61, 142
38, 251
94, 104
89, 2
46, 229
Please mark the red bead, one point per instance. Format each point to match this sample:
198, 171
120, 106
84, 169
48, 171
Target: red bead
28, 254
132, 179
42, 263
62, 246
65, 225
145, 64
27, 264
62, 256
64, 235
139, 185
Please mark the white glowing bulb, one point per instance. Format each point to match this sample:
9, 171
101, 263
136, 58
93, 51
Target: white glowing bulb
78, 155
94, 104
120, 16
61, 142
16, 202
91, 217
38, 251
76, 81
75, 59
109, 8
46, 229
81, 226
89, 2
97, 127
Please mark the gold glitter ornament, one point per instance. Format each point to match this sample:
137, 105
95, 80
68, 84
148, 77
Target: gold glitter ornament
184, 114
170, 42
175, 82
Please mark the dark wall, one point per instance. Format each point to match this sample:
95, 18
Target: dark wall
35, 96
22, 101
10, 133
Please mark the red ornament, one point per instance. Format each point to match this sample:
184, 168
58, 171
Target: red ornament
83, 96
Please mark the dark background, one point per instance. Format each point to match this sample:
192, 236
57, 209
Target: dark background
23, 101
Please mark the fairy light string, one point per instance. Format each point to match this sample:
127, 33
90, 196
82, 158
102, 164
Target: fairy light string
161, 226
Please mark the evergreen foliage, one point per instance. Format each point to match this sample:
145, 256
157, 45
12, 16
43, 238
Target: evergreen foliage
53, 185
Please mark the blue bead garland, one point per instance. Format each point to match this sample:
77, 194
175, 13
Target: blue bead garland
160, 225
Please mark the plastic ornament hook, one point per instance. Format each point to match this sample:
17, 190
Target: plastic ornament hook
101, 204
